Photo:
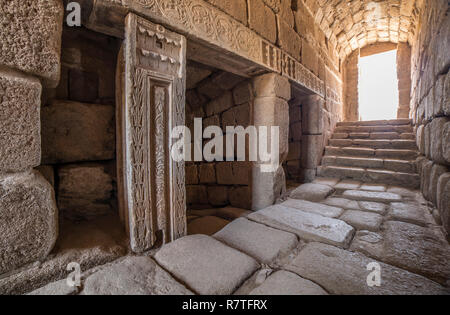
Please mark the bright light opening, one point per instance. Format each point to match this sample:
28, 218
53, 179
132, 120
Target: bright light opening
378, 86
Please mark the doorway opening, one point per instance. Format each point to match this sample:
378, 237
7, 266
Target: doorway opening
378, 86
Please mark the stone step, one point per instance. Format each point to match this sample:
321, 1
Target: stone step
372, 163
374, 129
393, 122
368, 175
374, 135
395, 154
375, 143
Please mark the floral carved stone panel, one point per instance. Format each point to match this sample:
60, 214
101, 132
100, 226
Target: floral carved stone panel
151, 184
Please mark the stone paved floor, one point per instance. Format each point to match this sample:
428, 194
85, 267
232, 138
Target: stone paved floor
323, 238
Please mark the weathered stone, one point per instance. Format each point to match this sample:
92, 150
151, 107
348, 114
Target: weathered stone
271, 186
263, 243
74, 132
89, 243
48, 172
326, 181
56, 288
368, 243
417, 249
31, 34
436, 139
288, 39
220, 104
317, 208
84, 191
376, 207
218, 195
28, 219
342, 203
241, 197
191, 174
343, 272
371, 196
20, 138
287, 283
362, 220
207, 173
312, 120
133, 276
272, 85
195, 74
196, 195
258, 12
374, 187
312, 150
443, 196
436, 172
312, 192
348, 185
446, 142
206, 265
306, 225
237, 9
83, 86
413, 213
207, 225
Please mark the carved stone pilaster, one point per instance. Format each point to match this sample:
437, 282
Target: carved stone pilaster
152, 185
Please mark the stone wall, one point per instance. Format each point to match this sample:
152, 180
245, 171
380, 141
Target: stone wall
29, 60
431, 106
78, 126
220, 99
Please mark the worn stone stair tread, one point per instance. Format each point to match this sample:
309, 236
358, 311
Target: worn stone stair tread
374, 196
404, 166
376, 122
369, 175
374, 143
306, 225
400, 154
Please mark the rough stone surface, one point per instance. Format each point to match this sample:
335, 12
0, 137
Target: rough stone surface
410, 213
417, 249
286, 283
261, 242
133, 276
306, 225
371, 196
343, 272
20, 139
348, 185
362, 220
31, 34
312, 192
342, 203
207, 225
90, 243
376, 207
84, 191
56, 288
317, 208
444, 200
28, 219
74, 132
205, 265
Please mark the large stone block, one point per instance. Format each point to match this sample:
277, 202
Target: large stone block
446, 143
74, 132
235, 8
20, 139
288, 39
436, 171
84, 191
28, 219
312, 150
262, 20
31, 37
267, 187
206, 265
272, 84
312, 116
443, 198
436, 139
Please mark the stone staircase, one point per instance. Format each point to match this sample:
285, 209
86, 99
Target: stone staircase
373, 152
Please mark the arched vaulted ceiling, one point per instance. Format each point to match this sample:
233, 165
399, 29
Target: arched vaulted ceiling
353, 24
